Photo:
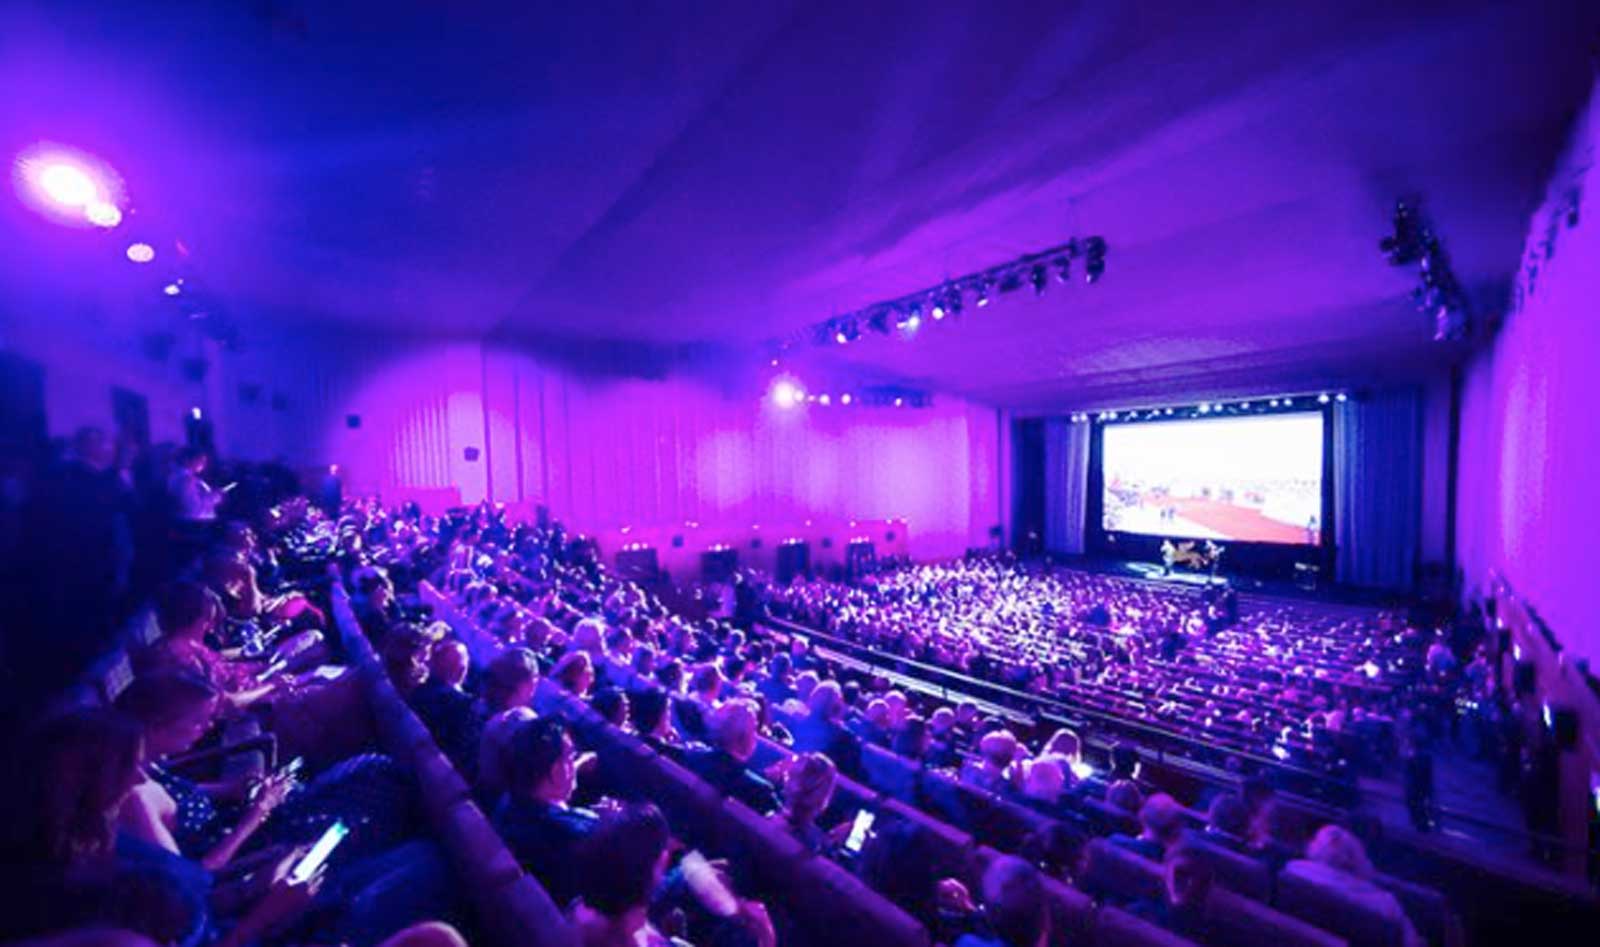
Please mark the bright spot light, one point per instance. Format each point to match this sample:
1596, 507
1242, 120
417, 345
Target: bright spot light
844, 399
195, 412
141, 252
899, 402
786, 394
1322, 398
1341, 397
102, 214
823, 400
67, 184
1081, 769
172, 289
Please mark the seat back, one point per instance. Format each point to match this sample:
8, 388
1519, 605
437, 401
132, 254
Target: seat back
1120, 875
889, 773
1336, 912
1428, 909
1237, 921
1116, 928
1240, 874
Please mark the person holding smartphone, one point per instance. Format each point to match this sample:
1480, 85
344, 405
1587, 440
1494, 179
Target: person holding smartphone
807, 790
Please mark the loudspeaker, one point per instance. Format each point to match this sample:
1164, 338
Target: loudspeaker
677, 542
194, 369
352, 421
718, 565
470, 453
1524, 678
888, 537
793, 559
755, 543
638, 565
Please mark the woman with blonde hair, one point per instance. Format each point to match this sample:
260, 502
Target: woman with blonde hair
807, 790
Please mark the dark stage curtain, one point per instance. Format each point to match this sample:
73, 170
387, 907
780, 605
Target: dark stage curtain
1377, 488
1066, 485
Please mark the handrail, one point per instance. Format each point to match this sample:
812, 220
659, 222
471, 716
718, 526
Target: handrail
1342, 788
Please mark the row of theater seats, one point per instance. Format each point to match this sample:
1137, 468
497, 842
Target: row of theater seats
1250, 884
819, 895
512, 909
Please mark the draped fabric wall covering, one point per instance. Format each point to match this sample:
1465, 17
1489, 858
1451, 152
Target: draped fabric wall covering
1377, 488
605, 453
1066, 484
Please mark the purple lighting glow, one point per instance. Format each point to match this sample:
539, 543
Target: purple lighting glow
68, 187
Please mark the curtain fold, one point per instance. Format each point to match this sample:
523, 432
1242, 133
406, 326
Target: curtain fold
1066, 484
1377, 480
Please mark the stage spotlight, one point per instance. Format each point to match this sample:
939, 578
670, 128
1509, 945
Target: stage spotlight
845, 398
823, 400
899, 402
1273, 402
937, 311
1063, 269
1169, 410
174, 288
1322, 398
1205, 409
910, 324
982, 294
102, 214
194, 413
1341, 397
1244, 406
787, 393
1287, 402
141, 252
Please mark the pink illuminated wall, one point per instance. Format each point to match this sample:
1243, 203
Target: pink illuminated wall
606, 453
1530, 433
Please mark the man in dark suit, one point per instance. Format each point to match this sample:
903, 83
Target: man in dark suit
535, 820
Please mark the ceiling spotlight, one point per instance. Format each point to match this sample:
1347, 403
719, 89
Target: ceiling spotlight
1341, 397
1063, 268
952, 303
176, 287
899, 402
938, 310
1205, 408
823, 400
911, 324
1273, 402
1322, 398
845, 398
1094, 253
102, 214
983, 293
841, 338
1169, 410
141, 252
786, 393
1287, 402
67, 184
1245, 406
1037, 277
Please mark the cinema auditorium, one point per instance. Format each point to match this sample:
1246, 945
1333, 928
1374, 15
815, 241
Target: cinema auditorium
689, 473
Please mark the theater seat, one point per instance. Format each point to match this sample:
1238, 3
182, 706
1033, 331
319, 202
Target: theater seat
1240, 874
1428, 909
1120, 875
834, 906
1330, 910
521, 913
953, 844
1237, 921
889, 773
1114, 928
476, 850
438, 782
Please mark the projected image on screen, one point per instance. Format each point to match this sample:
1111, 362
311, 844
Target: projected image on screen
1250, 479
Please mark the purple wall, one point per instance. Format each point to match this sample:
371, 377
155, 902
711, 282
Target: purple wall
1530, 435
608, 453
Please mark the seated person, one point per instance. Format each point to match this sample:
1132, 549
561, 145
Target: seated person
1161, 823
873, 727
913, 741
1124, 796
1336, 860
732, 728
1016, 911
187, 613
991, 772
449, 712
535, 820
508, 686
1182, 910
807, 791
73, 868
611, 703
1272, 835
622, 865
1228, 823
650, 712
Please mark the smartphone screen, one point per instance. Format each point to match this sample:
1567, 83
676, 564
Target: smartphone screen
707, 886
858, 831
318, 856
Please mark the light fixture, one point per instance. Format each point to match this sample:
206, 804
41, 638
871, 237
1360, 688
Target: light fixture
1322, 398
823, 400
787, 393
982, 292
845, 398
173, 288
102, 214
141, 252
1341, 397
1036, 277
